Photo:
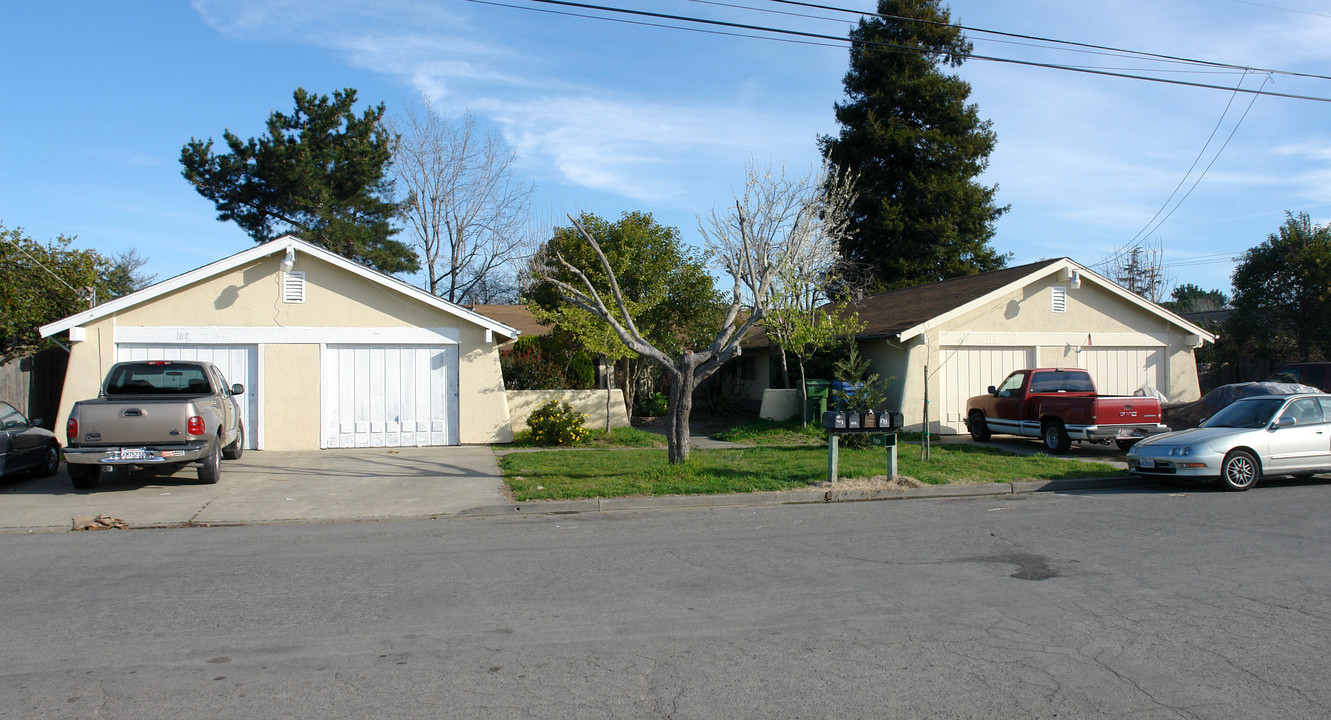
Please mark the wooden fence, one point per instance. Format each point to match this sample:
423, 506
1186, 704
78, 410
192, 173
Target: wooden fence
33, 383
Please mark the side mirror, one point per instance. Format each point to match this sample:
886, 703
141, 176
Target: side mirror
35, 422
1286, 421
993, 390
237, 389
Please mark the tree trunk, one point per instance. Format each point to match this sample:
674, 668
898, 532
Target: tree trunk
785, 369
804, 393
681, 405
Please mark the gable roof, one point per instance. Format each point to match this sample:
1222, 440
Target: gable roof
273, 247
907, 312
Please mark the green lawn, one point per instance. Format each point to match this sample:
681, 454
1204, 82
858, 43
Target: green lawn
616, 473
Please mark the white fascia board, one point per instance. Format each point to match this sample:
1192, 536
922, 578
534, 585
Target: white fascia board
1058, 267
269, 248
164, 287
163, 335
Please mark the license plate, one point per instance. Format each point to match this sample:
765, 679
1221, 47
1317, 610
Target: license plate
1146, 462
134, 454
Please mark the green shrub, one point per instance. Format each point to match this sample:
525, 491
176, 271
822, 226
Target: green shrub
653, 405
531, 370
555, 422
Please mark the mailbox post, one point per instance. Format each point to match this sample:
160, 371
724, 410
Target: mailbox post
839, 423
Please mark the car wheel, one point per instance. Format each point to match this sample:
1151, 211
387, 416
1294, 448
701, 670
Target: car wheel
50, 462
1125, 445
210, 471
84, 477
1240, 470
1056, 439
237, 448
979, 428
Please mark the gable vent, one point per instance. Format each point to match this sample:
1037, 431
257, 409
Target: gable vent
1060, 299
293, 287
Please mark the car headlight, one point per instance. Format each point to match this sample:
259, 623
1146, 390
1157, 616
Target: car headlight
1181, 451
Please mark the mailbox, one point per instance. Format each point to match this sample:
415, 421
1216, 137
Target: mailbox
870, 419
834, 420
852, 420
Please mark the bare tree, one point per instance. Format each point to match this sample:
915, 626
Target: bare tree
468, 212
765, 235
1141, 270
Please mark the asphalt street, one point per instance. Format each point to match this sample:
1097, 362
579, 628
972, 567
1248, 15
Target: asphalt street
1149, 602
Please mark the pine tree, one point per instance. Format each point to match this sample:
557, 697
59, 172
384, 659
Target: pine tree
319, 173
916, 148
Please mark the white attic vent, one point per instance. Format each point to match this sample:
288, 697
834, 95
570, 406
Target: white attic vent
1059, 298
293, 287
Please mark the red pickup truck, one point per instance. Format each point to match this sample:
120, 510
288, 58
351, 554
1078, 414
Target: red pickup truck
1059, 406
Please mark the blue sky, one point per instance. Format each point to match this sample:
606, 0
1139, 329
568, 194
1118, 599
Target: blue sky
607, 117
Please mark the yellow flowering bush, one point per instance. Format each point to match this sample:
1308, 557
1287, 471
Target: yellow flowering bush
555, 422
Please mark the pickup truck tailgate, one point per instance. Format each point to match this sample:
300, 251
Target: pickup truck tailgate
133, 420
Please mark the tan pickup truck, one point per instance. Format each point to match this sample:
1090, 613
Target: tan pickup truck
155, 412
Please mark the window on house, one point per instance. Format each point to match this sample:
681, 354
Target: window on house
293, 287
1060, 299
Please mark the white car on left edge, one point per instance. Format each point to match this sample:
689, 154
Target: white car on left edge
1250, 438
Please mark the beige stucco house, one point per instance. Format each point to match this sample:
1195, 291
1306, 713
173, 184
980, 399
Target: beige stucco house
947, 341
331, 353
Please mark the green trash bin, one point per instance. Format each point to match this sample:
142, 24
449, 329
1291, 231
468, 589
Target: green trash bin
817, 390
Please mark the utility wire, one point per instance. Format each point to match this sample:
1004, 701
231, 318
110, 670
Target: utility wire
38, 263
968, 28
887, 46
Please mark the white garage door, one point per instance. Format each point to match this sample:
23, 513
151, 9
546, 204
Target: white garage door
238, 363
1121, 370
389, 396
965, 372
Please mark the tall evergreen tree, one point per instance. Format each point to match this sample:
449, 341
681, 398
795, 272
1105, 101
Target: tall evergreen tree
319, 173
916, 148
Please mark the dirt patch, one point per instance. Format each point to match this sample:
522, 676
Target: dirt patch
877, 482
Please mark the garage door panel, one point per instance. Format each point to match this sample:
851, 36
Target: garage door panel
238, 363
966, 372
1122, 370
390, 396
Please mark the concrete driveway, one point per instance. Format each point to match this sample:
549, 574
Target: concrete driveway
270, 486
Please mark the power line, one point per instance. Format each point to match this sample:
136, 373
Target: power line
1072, 43
887, 46
1282, 9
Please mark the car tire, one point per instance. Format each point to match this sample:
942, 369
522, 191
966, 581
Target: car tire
210, 470
50, 462
1126, 445
1240, 470
1055, 437
237, 448
979, 428
84, 477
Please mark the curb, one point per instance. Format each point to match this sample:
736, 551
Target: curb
666, 502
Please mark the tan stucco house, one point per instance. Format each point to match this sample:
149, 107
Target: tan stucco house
947, 341
331, 353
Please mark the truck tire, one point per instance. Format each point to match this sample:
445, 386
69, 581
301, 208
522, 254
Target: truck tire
979, 428
1055, 437
210, 470
237, 448
84, 477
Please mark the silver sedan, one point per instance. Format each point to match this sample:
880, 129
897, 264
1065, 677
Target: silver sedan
1249, 438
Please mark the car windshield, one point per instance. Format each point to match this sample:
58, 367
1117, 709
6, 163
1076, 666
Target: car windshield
1247, 413
157, 378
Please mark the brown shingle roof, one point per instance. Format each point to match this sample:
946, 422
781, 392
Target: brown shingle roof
895, 311
515, 316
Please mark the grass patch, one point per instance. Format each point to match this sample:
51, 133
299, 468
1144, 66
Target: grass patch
618, 473
773, 432
620, 437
